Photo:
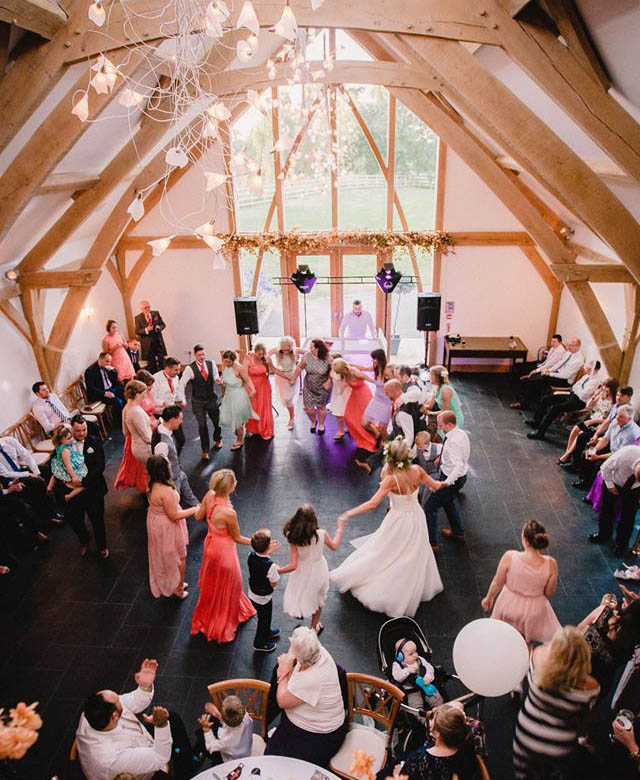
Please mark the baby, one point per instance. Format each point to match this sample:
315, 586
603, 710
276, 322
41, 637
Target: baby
67, 464
415, 676
228, 734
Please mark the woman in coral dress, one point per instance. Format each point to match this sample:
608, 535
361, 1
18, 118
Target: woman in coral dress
356, 404
526, 581
167, 533
257, 366
222, 605
115, 345
137, 427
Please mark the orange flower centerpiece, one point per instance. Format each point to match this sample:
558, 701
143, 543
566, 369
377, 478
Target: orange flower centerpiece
18, 731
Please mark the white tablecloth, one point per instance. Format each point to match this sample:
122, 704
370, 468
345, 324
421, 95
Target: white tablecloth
271, 768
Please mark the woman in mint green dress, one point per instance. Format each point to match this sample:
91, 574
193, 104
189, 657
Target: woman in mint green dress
237, 390
445, 396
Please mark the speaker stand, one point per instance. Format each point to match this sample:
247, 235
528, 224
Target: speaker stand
304, 297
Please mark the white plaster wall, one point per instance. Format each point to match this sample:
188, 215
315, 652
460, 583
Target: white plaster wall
20, 372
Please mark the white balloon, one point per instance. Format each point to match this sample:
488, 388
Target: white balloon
490, 657
244, 52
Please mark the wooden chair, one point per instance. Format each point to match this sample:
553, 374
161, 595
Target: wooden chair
484, 772
75, 398
32, 435
254, 694
372, 699
18, 431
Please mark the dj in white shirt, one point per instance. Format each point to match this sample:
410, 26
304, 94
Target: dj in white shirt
355, 323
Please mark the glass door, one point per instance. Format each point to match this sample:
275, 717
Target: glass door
364, 289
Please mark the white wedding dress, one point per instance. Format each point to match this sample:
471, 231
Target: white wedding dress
394, 568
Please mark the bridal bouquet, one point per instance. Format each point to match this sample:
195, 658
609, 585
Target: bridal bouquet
18, 730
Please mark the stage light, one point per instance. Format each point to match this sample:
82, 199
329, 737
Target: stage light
388, 278
11, 275
304, 279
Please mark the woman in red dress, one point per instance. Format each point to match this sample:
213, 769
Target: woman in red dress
222, 605
257, 365
357, 403
137, 428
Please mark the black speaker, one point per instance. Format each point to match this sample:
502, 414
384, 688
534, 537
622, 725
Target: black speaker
246, 310
428, 311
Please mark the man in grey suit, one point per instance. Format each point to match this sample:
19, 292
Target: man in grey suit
162, 443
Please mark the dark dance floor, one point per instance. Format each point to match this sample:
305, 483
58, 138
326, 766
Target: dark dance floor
73, 625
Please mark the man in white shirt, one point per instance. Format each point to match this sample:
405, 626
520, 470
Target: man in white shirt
17, 465
454, 464
112, 740
168, 391
621, 477
48, 409
404, 422
552, 406
554, 356
563, 373
355, 323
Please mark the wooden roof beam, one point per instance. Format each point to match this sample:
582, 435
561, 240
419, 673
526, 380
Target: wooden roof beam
45, 280
535, 48
610, 272
441, 18
44, 17
73, 181
513, 126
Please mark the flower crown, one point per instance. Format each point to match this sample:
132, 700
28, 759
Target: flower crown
390, 460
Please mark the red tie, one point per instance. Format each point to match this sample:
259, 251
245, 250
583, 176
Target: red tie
203, 371
149, 323
170, 383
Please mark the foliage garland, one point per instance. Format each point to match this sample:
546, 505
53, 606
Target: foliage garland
319, 242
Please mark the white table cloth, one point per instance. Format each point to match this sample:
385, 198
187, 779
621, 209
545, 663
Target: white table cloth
271, 768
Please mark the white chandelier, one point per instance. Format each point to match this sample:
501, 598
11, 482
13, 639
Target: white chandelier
175, 84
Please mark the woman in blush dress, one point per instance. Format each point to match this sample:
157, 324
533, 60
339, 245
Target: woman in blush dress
283, 364
148, 402
378, 411
526, 581
237, 390
316, 364
222, 605
115, 344
357, 401
167, 533
393, 569
137, 428
257, 366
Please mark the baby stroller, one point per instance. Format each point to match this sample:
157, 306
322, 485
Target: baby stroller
410, 727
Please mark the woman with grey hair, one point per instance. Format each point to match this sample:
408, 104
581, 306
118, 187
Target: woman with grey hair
312, 724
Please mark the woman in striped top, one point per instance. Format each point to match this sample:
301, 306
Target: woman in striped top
560, 693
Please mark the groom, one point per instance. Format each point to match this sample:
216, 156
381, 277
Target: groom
162, 443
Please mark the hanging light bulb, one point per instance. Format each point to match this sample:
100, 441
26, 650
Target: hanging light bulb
81, 108
206, 229
214, 180
176, 156
256, 185
136, 208
219, 112
213, 242
219, 262
96, 13
130, 98
287, 27
159, 245
248, 18
244, 52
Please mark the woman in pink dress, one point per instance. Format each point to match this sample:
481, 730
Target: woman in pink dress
115, 345
257, 365
356, 404
222, 605
526, 581
167, 533
137, 427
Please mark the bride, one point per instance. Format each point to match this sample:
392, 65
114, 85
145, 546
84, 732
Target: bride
393, 569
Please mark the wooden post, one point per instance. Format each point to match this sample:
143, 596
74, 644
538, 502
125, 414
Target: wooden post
126, 292
436, 268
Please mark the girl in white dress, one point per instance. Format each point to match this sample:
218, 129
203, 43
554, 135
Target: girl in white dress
308, 585
393, 569
283, 360
340, 392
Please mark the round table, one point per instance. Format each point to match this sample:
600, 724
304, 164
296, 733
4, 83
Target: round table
271, 768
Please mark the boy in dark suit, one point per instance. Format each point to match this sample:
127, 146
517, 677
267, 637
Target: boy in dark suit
263, 575
133, 350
